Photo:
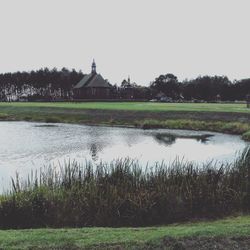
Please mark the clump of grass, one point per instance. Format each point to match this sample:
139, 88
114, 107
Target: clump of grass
235, 127
174, 124
27, 118
3, 116
123, 193
246, 136
52, 120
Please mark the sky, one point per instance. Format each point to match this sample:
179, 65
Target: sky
137, 38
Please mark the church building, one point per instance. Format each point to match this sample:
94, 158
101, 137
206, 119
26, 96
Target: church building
93, 86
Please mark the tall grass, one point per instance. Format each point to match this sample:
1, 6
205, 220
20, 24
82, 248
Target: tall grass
123, 193
218, 126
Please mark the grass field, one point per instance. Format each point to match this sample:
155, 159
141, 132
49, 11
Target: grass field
120, 238
136, 106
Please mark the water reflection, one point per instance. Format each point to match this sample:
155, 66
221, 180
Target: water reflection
166, 139
94, 152
170, 138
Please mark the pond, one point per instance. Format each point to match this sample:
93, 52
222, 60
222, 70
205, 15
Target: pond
25, 146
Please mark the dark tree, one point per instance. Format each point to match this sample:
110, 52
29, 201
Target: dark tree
167, 84
41, 84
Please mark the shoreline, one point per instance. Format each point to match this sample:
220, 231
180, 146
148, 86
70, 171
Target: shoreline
233, 128
214, 118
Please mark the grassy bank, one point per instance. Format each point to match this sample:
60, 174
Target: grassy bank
226, 118
124, 194
238, 128
134, 106
231, 233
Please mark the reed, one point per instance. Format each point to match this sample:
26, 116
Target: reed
123, 193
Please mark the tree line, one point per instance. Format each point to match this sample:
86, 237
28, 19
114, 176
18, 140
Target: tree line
40, 84
207, 88
53, 84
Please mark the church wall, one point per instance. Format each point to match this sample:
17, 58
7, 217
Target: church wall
92, 93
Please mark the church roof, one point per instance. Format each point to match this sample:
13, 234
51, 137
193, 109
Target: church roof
93, 80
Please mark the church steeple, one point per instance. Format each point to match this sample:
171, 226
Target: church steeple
93, 67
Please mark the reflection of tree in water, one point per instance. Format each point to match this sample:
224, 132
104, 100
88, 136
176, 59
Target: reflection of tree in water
202, 139
96, 142
130, 137
169, 139
94, 152
166, 139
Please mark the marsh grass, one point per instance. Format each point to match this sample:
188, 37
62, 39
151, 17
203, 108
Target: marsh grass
238, 128
123, 193
246, 136
219, 126
52, 120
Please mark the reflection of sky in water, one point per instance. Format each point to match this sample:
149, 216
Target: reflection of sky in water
25, 146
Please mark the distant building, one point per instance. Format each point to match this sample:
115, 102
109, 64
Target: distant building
127, 89
93, 86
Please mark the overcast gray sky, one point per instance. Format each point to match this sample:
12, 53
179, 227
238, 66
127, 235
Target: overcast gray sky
140, 38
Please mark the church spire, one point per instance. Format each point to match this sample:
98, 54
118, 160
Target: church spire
93, 70
129, 79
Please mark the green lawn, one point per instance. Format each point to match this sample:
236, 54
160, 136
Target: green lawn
137, 106
126, 237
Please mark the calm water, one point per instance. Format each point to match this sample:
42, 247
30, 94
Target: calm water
25, 146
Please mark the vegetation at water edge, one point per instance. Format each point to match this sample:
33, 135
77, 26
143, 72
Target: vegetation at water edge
123, 193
